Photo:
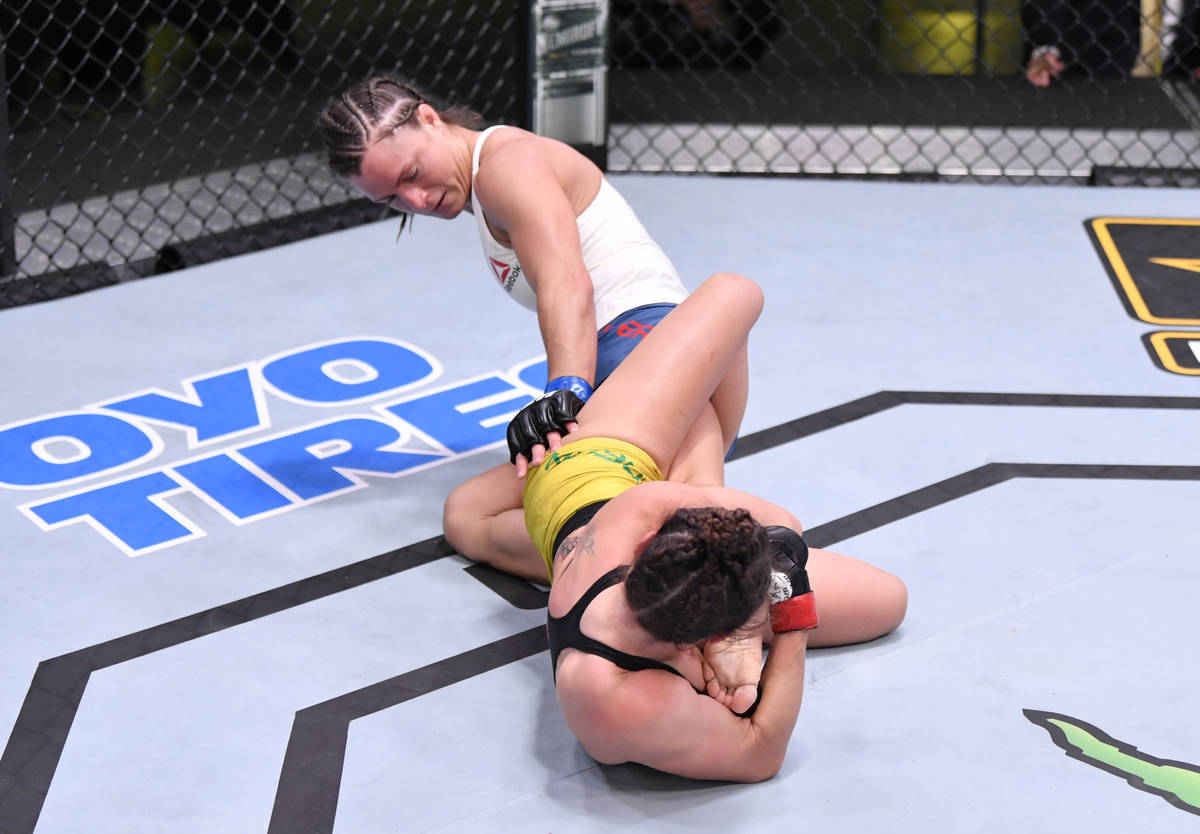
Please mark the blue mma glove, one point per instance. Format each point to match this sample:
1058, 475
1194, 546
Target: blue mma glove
576, 385
532, 423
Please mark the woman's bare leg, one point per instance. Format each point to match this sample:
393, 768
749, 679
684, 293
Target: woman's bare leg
856, 602
732, 663
653, 398
483, 520
700, 459
729, 399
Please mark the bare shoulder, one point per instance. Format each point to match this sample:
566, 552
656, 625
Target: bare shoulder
656, 719
657, 500
514, 151
642, 507
515, 162
664, 492
656, 495
612, 711
765, 512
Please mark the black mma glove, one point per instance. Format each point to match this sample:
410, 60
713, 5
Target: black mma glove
793, 607
533, 422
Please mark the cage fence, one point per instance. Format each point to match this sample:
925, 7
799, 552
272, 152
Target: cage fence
140, 137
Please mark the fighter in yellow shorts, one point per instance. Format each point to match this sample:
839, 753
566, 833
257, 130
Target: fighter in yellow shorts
579, 476
667, 588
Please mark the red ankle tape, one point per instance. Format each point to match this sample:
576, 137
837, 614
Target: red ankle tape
796, 614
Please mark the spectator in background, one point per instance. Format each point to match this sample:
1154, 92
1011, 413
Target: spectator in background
1104, 38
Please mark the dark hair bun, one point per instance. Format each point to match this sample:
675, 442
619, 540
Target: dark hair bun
704, 573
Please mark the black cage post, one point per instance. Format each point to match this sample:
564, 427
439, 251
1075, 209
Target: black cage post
981, 10
568, 74
8, 243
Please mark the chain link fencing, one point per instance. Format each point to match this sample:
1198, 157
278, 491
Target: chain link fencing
141, 136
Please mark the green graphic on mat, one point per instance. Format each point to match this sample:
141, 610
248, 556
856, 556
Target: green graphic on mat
1176, 782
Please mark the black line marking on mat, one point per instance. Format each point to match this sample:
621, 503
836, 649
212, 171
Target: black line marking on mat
516, 592
309, 757
883, 400
40, 731
311, 777
980, 478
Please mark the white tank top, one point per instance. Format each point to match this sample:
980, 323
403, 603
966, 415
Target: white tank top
628, 269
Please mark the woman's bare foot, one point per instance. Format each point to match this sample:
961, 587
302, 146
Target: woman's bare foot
732, 668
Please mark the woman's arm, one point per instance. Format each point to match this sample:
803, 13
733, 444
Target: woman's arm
656, 720
522, 194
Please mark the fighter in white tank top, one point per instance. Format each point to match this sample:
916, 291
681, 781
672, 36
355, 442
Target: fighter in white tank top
628, 269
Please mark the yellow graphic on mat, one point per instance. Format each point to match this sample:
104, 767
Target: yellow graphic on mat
1154, 263
1177, 351
1176, 782
1190, 264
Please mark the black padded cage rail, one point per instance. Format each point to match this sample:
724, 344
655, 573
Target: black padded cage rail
141, 136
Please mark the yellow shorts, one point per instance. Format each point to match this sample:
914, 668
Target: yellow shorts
580, 473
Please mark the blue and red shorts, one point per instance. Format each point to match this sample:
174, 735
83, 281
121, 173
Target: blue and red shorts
620, 336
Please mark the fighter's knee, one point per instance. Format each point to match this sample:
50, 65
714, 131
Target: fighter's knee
746, 290
456, 516
893, 602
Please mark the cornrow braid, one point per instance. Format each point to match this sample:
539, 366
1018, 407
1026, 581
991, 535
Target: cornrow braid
371, 110
367, 112
705, 572
363, 115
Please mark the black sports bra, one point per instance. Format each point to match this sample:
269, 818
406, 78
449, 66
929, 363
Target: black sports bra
564, 632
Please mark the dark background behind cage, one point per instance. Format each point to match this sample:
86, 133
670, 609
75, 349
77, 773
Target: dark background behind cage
141, 137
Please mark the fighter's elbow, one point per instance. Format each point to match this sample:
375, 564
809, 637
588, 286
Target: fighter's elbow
766, 765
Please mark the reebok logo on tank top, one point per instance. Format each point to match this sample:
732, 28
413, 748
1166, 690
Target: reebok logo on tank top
506, 274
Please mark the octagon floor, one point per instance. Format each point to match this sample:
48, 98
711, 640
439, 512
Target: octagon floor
992, 392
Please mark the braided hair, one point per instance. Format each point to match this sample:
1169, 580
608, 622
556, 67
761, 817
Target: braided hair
372, 110
704, 573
